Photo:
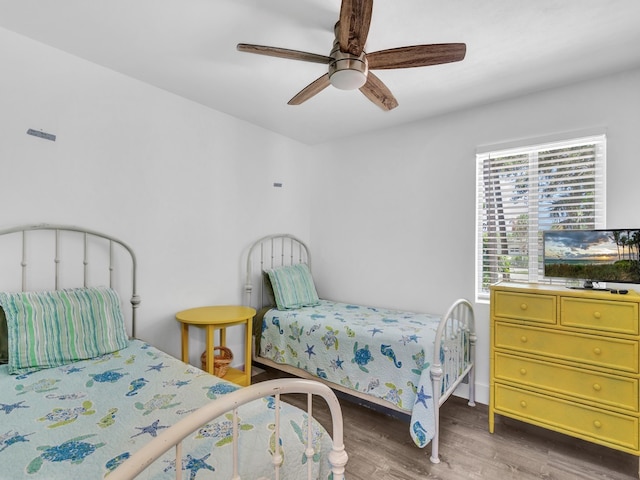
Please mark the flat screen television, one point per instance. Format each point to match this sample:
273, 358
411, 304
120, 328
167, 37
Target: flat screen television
593, 255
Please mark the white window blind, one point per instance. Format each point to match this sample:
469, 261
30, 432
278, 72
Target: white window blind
524, 191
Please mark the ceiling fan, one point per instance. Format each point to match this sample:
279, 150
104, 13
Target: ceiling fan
350, 66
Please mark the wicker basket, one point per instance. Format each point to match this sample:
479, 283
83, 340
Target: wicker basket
222, 357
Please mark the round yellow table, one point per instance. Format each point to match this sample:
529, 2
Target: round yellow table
219, 317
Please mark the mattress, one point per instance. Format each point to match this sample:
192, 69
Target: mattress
83, 419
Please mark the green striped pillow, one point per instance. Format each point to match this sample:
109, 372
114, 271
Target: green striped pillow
293, 286
49, 329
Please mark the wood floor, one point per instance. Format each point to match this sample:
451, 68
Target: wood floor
380, 447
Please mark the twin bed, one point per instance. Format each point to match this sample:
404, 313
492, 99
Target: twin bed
81, 397
405, 361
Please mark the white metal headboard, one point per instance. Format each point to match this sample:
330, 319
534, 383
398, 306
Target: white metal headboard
272, 251
87, 237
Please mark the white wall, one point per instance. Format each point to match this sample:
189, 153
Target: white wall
393, 212
187, 187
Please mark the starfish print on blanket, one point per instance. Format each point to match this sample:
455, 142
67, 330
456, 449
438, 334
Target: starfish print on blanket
8, 408
309, 350
150, 429
422, 397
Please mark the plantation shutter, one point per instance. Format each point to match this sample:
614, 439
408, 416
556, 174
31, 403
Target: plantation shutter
524, 191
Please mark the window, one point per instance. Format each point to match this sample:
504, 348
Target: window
525, 190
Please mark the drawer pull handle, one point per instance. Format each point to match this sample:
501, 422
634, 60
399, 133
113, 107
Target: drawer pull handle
524, 306
597, 424
523, 371
523, 404
597, 315
597, 351
523, 339
597, 387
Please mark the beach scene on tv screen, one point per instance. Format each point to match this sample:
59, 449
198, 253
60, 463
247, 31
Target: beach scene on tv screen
599, 255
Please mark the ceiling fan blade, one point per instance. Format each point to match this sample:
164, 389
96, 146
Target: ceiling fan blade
378, 93
416, 56
283, 53
355, 18
310, 90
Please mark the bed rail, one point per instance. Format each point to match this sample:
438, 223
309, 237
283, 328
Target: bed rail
55, 244
453, 360
173, 436
268, 252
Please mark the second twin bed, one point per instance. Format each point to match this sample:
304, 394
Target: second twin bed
406, 361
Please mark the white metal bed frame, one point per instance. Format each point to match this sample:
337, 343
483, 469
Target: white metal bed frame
173, 436
230, 402
86, 236
455, 336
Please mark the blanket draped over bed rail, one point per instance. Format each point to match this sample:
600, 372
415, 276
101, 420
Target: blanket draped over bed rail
407, 361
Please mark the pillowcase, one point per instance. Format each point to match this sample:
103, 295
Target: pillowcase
4, 338
267, 291
293, 286
50, 329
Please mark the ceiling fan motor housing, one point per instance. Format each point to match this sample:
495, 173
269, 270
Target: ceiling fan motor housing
346, 71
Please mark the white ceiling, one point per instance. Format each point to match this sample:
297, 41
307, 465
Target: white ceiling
187, 47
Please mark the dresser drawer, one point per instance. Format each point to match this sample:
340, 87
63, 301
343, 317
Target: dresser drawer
599, 426
616, 353
612, 316
523, 306
620, 392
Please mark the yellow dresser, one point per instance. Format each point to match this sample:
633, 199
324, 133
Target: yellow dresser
567, 360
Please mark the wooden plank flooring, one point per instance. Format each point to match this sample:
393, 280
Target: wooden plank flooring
380, 447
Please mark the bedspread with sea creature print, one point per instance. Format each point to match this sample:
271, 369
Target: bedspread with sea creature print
83, 419
380, 352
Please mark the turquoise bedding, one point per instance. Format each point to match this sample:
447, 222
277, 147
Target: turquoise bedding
83, 419
380, 352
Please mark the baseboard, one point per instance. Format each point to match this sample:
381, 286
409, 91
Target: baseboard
482, 392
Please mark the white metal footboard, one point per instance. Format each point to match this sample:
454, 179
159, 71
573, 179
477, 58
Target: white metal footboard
174, 436
453, 360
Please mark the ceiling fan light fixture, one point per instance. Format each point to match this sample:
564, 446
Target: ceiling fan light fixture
348, 79
347, 72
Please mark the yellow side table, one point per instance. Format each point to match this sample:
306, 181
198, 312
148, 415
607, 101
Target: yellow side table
219, 317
